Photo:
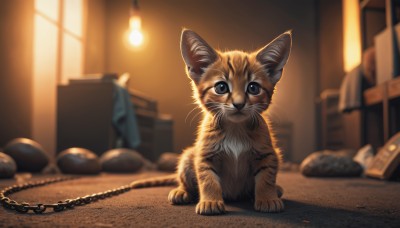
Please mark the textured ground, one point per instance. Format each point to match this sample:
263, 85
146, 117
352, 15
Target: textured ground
337, 202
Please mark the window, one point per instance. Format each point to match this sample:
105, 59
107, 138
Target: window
58, 44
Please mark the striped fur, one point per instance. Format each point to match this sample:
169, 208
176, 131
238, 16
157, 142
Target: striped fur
234, 156
155, 182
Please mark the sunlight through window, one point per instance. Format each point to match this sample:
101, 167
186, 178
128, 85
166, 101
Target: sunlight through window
57, 56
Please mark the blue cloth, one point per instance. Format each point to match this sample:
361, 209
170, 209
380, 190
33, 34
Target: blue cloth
124, 118
350, 97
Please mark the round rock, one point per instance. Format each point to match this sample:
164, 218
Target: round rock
330, 164
7, 166
78, 161
28, 154
168, 162
121, 160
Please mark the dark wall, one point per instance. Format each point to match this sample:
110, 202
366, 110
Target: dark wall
95, 37
330, 61
16, 29
375, 21
158, 70
330, 54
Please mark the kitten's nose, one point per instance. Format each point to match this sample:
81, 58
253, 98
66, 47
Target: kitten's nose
238, 106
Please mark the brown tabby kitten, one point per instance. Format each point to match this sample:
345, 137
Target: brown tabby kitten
234, 156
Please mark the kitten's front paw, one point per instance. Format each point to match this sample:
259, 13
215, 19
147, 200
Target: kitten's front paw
210, 207
178, 196
269, 205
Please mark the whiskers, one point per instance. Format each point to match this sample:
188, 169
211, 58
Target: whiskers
213, 108
218, 116
219, 112
191, 111
255, 112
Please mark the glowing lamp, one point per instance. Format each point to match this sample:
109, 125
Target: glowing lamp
135, 38
135, 25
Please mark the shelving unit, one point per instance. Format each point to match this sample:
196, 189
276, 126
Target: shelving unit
379, 117
394, 106
370, 7
381, 112
373, 4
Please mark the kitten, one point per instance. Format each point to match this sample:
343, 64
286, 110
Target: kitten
234, 156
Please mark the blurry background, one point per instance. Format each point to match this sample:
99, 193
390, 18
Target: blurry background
43, 43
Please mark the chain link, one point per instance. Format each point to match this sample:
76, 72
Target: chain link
40, 208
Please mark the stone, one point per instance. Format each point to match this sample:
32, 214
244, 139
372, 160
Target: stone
330, 164
121, 160
7, 166
27, 154
289, 167
168, 162
78, 161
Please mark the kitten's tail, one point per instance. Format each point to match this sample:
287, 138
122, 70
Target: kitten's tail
155, 182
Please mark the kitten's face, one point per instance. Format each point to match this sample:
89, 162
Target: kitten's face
235, 86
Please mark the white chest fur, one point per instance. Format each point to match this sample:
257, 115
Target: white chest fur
236, 141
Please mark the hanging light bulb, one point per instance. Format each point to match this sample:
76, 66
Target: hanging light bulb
135, 25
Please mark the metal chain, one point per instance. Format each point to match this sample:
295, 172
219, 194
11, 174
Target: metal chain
60, 205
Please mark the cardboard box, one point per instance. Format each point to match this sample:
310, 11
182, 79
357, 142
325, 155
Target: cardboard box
384, 47
384, 56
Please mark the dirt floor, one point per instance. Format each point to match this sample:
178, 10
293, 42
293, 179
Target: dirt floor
313, 202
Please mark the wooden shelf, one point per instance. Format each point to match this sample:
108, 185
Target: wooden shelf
374, 95
373, 4
382, 92
381, 110
394, 88
381, 122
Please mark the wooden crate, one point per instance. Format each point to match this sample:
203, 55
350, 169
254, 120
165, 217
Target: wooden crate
156, 131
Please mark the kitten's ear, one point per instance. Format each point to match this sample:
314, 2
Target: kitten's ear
274, 56
196, 53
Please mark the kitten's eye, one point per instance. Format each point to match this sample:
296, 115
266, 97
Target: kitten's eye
253, 88
221, 87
